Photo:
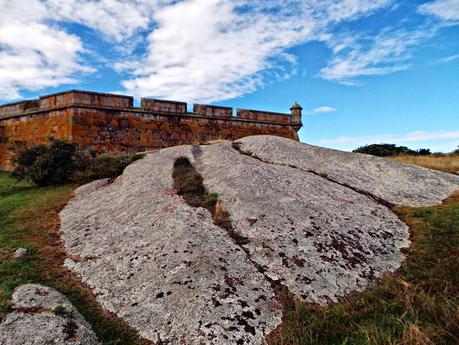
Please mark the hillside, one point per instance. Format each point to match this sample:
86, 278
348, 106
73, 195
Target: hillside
264, 238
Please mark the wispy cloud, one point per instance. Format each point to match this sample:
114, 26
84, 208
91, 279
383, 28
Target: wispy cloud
206, 50
323, 109
443, 9
384, 53
211, 50
416, 136
447, 59
357, 55
196, 50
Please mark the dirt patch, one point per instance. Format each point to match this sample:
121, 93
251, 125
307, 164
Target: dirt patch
45, 237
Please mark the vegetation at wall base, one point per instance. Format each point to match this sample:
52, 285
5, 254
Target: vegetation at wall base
104, 167
61, 162
46, 165
29, 219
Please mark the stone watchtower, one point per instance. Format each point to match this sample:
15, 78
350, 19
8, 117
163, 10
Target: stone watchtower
296, 110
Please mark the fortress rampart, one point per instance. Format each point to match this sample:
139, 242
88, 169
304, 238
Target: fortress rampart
110, 123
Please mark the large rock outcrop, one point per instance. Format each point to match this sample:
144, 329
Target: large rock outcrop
42, 316
165, 268
387, 180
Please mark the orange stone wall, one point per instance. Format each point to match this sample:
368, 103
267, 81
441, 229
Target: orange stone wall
33, 129
110, 123
135, 131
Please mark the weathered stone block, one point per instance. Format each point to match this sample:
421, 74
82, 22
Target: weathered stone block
157, 105
212, 110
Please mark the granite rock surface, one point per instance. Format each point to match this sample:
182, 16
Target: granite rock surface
162, 265
388, 180
42, 316
166, 269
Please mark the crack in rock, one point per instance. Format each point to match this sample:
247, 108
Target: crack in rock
386, 180
320, 239
237, 146
153, 255
194, 194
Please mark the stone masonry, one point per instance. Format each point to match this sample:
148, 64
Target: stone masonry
110, 123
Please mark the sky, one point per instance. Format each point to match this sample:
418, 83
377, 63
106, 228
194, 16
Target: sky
365, 71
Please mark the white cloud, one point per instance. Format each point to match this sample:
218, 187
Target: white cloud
211, 50
33, 54
203, 50
195, 50
115, 19
417, 136
443, 9
446, 59
385, 53
324, 109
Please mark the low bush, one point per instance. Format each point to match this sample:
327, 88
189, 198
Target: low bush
61, 162
386, 150
104, 167
46, 164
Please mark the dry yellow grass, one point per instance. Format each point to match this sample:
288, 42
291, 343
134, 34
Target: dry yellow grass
448, 163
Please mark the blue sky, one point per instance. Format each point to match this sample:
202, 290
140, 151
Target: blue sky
364, 71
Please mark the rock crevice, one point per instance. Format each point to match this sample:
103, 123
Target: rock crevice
237, 146
205, 267
385, 180
195, 195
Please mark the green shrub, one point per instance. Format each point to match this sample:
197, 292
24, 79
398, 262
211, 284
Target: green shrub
386, 150
60, 162
211, 198
46, 164
104, 167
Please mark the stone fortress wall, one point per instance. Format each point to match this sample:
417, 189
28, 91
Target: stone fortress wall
112, 124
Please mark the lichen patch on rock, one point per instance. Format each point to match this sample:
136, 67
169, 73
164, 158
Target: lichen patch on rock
170, 271
394, 182
40, 316
320, 239
162, 265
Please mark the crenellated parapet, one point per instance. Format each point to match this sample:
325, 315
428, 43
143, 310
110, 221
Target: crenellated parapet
111, 122
77, 98
19, 108
257, 115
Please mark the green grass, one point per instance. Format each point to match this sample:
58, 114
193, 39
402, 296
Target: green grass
419, 305
29, 219
189, 184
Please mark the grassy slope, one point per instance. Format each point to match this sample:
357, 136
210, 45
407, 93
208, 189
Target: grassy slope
417, 306
448, 163
29, 218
